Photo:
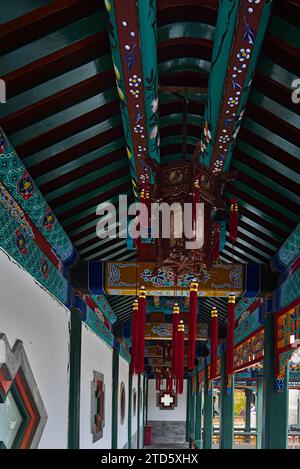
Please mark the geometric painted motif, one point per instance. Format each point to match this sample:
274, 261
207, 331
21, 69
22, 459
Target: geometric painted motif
22, 188
97, 406
250, 351
22, 413
166, 400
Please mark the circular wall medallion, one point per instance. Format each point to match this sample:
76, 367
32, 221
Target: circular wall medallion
122, 402
134, 402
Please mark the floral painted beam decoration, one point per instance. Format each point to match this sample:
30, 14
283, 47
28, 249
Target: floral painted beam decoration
241, 27
132, 31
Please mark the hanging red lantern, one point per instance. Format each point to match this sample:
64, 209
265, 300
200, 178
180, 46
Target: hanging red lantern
175, 322
213, 343
158, 379
180, 370
230, 336
233, 221
192, 324
134, 338
141, 331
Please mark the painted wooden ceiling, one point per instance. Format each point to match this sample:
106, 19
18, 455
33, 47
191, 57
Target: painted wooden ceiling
63, 117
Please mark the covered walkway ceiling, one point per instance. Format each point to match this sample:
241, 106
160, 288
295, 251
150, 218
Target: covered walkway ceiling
63, 117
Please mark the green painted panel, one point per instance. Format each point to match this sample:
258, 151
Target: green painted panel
89, 195
190, 29
88, 178
276, 72
268, 182
262, 241
165, 98
188, 64
267, 160
271, 203
174, 119
270, 137
275, 108
55, 85
236, 251
178, 139
250, 246
261, 228
52, 42
260, 213
285, 31
62, 117
82, 160
15, 8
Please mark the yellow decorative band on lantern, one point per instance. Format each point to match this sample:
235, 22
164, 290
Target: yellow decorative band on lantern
214, 313
135, 305
236, 207
142, 194
181, 326
175, 308
147, 195
194, 286
142, 293
196, 184
231, 299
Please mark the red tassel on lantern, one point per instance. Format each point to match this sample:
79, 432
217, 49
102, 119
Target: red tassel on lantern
180, 370
192, 324
233, 221
158, 379
169, 381
196, 200
134, 338
175, 323
216, 243
213, 343
230, 336
141, 331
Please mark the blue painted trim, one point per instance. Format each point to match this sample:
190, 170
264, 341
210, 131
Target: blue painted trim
96, 277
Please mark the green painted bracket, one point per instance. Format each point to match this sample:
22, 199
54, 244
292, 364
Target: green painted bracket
241, 27
133, 38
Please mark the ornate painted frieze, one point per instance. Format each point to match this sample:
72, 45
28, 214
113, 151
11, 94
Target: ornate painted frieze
289, 291
21, 247
163, 331
287, 339
22, 413
122, 278
20, 185
247, 327
96, 324
289, 251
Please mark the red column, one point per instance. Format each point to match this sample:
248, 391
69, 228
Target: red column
230, 336
141, 330
213, 343
134, 328
175, 322
180, 371
192, 324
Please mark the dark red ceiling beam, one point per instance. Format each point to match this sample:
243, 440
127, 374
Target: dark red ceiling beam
168, 150
58, 102
274, 90
185, 79
42, 21
281, 53
173, 11
83, 190
279, 126
272, 174
239, 194
77, 173
185, 47
259, 234
288, 10
169, 131
68, 129
261, 221
175, 107
75, 152
268, 148
56, 64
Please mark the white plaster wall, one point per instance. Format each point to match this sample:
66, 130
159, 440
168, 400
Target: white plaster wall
30, 314
123, 429
154, 412
134, 417
95, 356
